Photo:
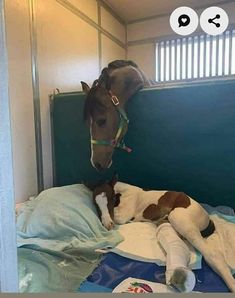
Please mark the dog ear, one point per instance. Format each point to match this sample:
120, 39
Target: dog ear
114, 180
85, 87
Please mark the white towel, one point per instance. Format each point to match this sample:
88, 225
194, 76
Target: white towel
224, 239
140, 243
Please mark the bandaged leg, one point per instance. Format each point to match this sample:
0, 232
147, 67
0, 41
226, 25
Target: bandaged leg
177, 259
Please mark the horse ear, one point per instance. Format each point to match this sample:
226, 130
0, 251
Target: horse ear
114, 180
104, 78
85, 87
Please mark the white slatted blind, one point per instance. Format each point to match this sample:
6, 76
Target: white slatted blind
197, 57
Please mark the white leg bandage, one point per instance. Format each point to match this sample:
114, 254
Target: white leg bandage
177, 258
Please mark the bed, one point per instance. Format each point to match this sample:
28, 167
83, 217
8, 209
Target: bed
183, 138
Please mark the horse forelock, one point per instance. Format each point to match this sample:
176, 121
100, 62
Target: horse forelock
92, 104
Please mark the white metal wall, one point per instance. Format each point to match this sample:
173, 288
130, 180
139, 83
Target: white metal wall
8, 254
52, 44
21, 98
142, 36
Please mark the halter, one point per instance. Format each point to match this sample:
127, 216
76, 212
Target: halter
122, 126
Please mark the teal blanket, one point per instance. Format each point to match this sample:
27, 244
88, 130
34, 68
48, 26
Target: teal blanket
58, 234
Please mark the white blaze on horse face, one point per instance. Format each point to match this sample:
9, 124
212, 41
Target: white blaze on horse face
91, 145
92, 149
102, 202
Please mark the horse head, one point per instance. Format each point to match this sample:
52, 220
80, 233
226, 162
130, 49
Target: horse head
104, 110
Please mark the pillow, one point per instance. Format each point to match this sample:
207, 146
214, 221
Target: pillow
62, 218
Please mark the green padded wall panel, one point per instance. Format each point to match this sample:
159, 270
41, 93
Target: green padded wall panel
183, 138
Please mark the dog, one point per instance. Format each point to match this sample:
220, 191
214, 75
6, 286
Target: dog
121, 203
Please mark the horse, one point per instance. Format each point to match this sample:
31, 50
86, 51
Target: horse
104, 207
121, 202
105, 109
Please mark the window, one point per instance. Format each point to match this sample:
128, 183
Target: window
198, 57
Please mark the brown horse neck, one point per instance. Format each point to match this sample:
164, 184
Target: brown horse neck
124, 82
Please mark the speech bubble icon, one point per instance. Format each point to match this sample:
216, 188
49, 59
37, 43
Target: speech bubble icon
183, 20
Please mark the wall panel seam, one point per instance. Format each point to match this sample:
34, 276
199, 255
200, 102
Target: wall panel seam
157, 16
36, 93
112, 12
99, 35
166, 37
126, 39
66, 4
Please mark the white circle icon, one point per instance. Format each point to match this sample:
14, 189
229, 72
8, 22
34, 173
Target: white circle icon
184, 20
214, 20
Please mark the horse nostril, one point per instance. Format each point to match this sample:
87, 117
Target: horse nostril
98, 167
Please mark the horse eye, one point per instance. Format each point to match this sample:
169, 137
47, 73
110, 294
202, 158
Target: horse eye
101, 122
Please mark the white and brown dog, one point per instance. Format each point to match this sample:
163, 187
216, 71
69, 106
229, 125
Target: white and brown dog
120, 203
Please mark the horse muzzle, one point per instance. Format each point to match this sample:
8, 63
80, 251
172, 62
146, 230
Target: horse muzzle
101, 166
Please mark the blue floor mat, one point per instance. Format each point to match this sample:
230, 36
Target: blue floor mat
114, 269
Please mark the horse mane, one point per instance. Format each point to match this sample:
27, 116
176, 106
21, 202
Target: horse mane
121, 63
92, 102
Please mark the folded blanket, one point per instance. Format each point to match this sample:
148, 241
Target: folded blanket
224, 237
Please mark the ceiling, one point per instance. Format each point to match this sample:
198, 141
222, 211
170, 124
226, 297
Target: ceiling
131, 10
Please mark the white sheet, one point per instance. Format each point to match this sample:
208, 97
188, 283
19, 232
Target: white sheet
140, 243
224, 239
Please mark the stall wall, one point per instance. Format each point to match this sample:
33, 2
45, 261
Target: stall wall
52, 44
21, 98
142, 36
110, 51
